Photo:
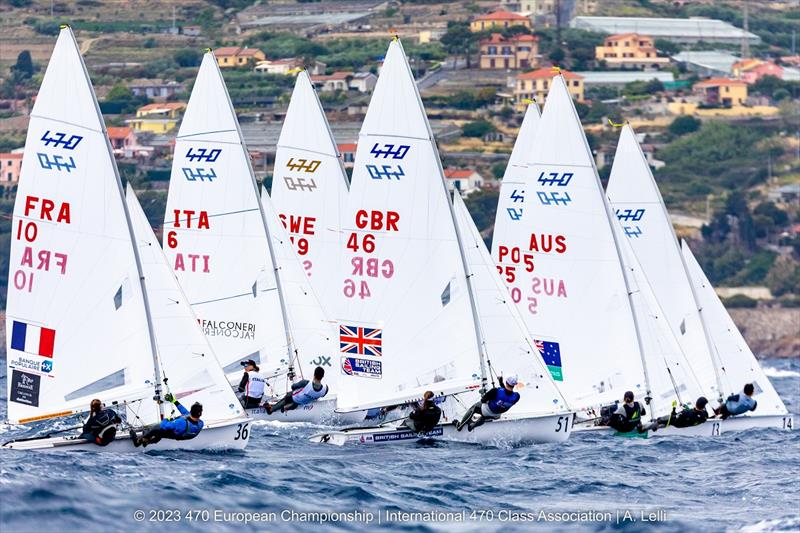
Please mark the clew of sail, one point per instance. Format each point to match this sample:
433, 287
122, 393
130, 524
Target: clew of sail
510, 349
637, 203
76, 323
739, 365
562, 256
309, 190
187, 360
408, 319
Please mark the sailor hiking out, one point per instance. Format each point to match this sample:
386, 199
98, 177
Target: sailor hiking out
185, 427
737, 404
492, 404
303, 392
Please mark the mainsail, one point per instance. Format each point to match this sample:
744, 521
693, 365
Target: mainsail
409, 321
77, 322
637, 202
738, 364
309, 190
188, 363
559, 250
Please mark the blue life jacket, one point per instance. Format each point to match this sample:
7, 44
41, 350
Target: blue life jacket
504, 401
182, 427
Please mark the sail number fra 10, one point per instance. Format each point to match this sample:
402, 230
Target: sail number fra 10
32, 259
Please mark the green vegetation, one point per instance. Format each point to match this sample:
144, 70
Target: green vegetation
477, 128
684, 124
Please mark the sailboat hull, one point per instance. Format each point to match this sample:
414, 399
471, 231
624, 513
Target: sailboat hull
712, 428
321, 412
534, 430
233, 435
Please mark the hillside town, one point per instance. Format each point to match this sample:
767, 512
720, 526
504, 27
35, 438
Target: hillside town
711, 87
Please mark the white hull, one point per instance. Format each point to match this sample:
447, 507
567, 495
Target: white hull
233, 435
712, 428
543, 429
322, 412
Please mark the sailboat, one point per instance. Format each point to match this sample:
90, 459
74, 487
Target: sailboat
309, 190
718, 355
556, 249
411, 313
82, 322
217, 238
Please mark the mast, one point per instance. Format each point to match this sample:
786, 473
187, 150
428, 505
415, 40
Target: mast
290, 350
151, 335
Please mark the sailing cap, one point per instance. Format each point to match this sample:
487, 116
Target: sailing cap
510, 381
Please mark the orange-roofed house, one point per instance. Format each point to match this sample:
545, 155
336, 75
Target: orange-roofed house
463, 180
348, 153
517, 52
498, 20
237, 56
122, 139
629, 50
157, 118
752, 70
722, 91
535, 85
10, 165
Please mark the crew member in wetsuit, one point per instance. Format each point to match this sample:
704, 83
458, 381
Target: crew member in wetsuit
252, 385
425, 416
185, 427
737, 404
100, 427
492, 404
303, 392
688, 417
628, 415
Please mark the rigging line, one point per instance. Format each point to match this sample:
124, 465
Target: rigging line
672, 379
230, 297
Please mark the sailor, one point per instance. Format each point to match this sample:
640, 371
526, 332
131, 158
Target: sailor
492, 404
303, 392
688, 417
628, 415
185, 427
100, 427
252, 385
737, 404
425, 415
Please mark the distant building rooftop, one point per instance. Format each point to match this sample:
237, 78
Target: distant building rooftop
710, 63
502, 15
548, 73
689, 30
621, 77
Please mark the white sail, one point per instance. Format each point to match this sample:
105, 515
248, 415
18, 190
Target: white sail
738, 364
407, 315
561, 254
309, 190
510, 349
214, 235
76, 320
314, 336
187, 360
637, 202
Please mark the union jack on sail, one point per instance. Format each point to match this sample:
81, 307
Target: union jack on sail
362, 341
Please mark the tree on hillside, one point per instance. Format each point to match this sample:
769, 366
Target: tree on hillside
23, 68
459, 40
187, 57
684, 124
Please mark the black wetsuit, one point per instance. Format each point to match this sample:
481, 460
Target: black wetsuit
684, 419
99, 428
424, 418
626, 418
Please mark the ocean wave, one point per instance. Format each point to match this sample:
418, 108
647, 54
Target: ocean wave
772, 372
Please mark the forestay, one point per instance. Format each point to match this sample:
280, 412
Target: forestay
573, 298
509, 348
76, 322
638, 204
408, 316
739, 365
187, 360
214, 233
309, 190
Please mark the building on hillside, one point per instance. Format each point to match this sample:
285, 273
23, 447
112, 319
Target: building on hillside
363, 82
629, 50
338, 81
156, 89
463, 180
122, 139
192, 31
534, 85
237, 56
289, 65
624, 77
752, 70
498, 20
347, 152
157, 118
689, 30
722, 91
517, 52
10, 165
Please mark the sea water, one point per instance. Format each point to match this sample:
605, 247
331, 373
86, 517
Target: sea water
283, 483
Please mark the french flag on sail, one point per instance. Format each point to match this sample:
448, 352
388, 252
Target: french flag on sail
33, 339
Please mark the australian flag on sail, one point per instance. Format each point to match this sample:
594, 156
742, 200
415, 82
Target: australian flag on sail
361, 341
551, 353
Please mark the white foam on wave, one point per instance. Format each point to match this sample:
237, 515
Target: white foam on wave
777, 524
778, 373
